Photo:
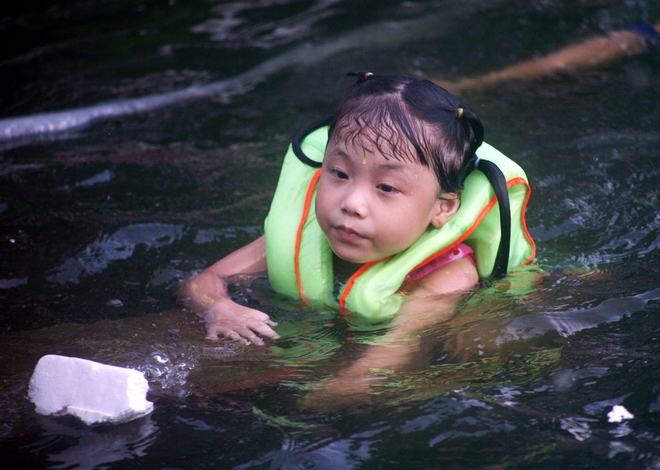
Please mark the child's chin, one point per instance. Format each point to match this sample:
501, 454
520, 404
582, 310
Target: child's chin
356, 259
355, 256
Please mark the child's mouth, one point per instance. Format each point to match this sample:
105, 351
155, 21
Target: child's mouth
347, 234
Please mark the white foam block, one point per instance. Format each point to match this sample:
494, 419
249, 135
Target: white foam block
618, 414
93, 392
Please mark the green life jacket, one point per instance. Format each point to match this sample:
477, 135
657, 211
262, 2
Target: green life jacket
300, 260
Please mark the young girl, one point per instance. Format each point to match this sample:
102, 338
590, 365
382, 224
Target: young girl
384, 216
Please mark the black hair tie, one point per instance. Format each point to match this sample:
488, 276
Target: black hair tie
362, 77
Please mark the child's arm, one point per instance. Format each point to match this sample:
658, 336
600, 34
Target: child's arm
206, 294
430, 301
433, 300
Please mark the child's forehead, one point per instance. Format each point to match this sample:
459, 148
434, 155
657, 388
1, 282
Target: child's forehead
386, 142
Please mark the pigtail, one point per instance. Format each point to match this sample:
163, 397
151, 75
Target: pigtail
300, 135
497, 180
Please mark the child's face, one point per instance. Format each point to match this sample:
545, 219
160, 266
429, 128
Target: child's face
371, 207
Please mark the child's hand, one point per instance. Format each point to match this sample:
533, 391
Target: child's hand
238, 323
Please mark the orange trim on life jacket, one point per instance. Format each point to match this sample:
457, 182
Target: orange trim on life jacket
308, 202
524, 222
354, 277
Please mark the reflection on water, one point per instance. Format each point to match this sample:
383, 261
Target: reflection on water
18, 131
571, 321
345, 453
142, 141
117, 246
97, 447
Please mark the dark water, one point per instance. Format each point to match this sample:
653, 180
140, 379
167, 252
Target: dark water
151, 145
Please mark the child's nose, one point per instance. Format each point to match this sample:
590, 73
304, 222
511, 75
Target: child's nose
354, 203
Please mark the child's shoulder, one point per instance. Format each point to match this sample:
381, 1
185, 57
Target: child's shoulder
453, 271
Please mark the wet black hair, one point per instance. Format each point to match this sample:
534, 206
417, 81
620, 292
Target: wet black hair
393, 113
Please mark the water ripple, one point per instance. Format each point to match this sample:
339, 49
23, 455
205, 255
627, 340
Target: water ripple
117, 246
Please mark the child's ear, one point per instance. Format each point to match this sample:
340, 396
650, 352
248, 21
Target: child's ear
445, 209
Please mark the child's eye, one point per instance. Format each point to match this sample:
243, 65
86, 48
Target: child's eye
386, 188
340, 174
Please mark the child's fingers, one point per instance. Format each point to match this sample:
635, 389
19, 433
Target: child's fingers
263, 329
261, 323
262, 317
251, 337
232, 335
213, 331
245, 334
243, 324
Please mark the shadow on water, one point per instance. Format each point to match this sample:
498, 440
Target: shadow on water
142, 141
